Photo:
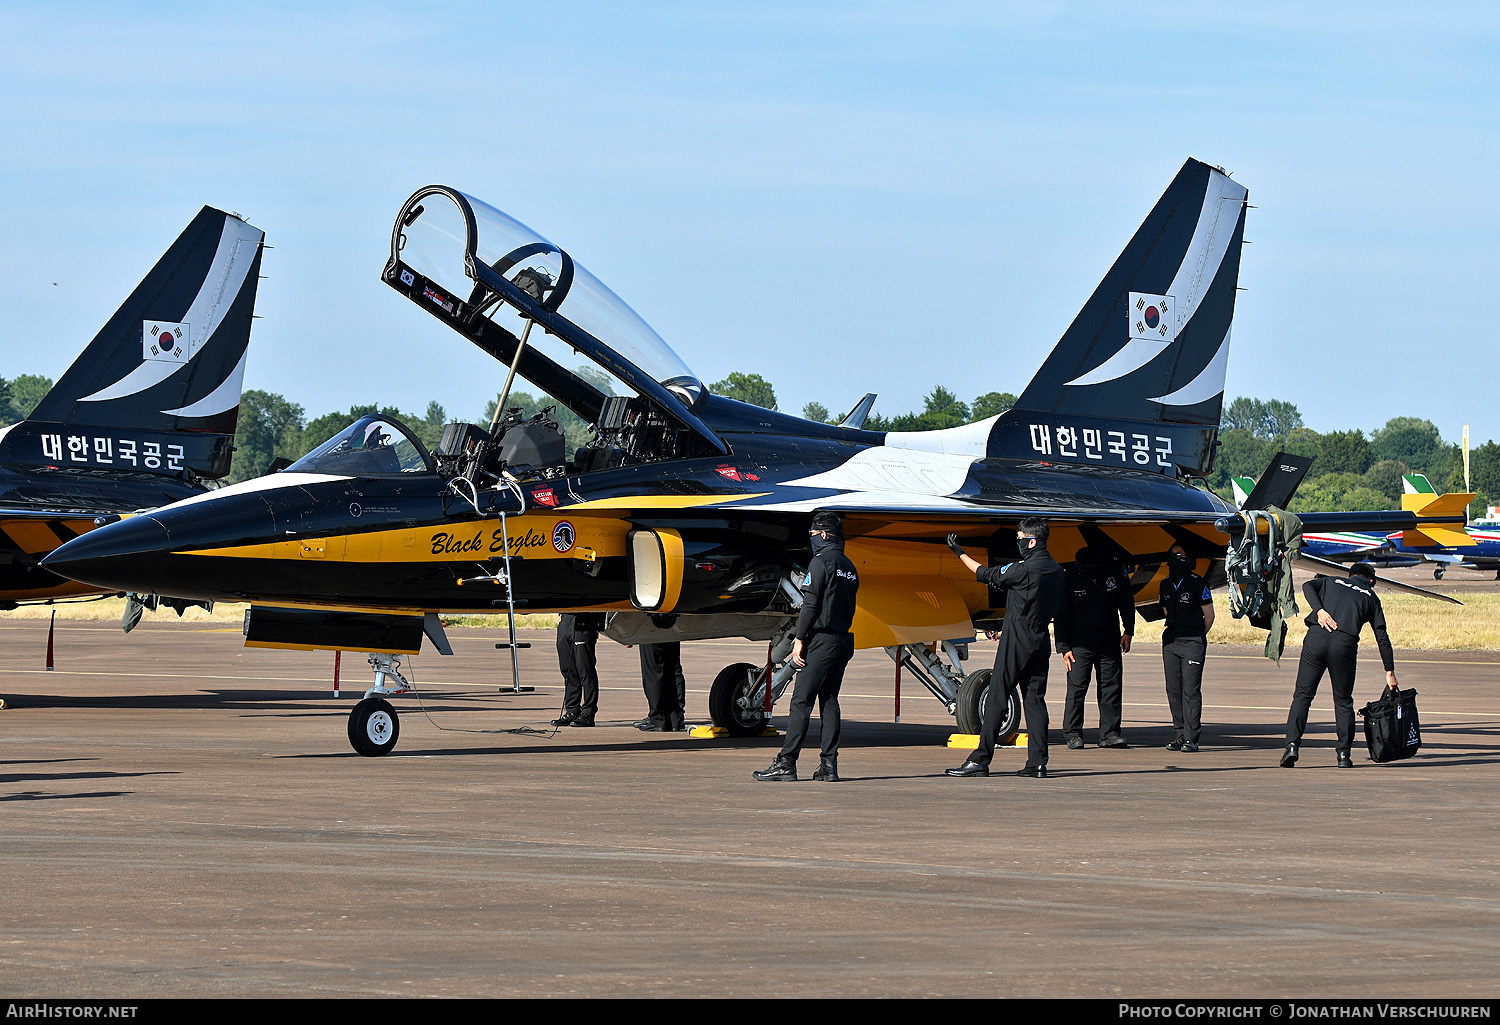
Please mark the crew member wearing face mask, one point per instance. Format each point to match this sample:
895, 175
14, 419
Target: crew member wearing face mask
1339, 609
1033, 587
1093, 628
822, 650
1189, 606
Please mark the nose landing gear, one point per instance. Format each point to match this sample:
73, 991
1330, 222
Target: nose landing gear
374, 725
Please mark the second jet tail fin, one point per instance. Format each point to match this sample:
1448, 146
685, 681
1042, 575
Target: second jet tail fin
158, 389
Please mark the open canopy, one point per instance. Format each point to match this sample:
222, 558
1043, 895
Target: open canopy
488, 275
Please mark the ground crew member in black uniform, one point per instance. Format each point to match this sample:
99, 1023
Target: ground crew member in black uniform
665, 687
822, 649
1189, 606
1339, 609
1089, 633
577, 642
1033, 586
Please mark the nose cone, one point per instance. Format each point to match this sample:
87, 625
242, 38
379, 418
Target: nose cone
128, 555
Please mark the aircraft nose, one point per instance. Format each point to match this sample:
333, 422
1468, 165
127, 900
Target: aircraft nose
127, 555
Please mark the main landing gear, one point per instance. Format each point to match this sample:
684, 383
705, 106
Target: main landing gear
737, 699
374, 725
939, 668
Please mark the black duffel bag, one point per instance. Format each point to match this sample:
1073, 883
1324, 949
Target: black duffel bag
1392, 729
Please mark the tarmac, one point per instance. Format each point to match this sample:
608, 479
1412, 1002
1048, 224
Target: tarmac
184, 817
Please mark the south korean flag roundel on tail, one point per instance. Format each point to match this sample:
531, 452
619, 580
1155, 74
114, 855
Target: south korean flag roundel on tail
166, 342
1153, 317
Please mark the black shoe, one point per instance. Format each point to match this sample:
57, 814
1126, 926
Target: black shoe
1034, 771
1075, 743
651, 726
1289, 757
1345, 762
641, 724
1190, 746
1177, 744
970, 768
582, 720
780, 770
827, 771
566, 719
1114, 740
676, 727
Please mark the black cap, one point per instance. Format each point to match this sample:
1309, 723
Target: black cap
828, 521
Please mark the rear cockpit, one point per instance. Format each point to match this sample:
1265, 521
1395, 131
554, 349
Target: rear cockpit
526, 302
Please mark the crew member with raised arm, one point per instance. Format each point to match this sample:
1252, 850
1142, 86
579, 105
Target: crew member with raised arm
1033, 587
822, 649
1339, 609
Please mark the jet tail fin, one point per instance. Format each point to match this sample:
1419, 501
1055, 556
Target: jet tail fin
1279, 483
158, 389
1242, 488
1416, 484
1137, 379
855, 418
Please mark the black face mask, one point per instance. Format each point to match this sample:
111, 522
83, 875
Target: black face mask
819, 542
1177, 565
1025, 546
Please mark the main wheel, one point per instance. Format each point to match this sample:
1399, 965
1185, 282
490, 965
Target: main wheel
729, 700
374, 727
973, 695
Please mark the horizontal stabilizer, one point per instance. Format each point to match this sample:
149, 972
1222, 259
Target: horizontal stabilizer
1436, 536
1387, 582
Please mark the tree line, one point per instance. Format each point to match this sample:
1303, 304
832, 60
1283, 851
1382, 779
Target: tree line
1350, 470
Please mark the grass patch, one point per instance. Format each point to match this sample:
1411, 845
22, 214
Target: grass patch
1414, 622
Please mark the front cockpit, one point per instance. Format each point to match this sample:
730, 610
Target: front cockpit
372, 446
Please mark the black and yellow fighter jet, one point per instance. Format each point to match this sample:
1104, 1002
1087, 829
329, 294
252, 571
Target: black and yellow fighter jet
142, 416
685, 513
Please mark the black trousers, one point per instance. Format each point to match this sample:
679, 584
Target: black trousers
826, 656
1031, 681
1111, 669
1182, 659
577, 658
664, 684
1336, 654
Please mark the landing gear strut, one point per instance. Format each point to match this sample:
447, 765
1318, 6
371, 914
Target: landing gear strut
737, 699
374, 725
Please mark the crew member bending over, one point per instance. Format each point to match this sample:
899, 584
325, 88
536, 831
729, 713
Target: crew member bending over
1339, 609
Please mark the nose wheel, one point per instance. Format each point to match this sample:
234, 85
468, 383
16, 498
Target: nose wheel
374, 727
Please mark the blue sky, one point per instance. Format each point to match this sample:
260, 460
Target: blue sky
840, 197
